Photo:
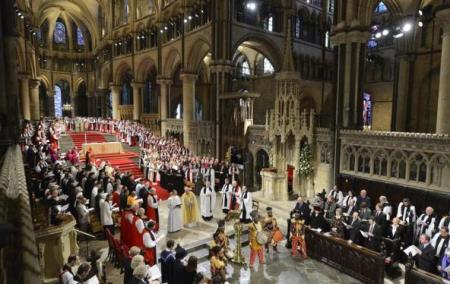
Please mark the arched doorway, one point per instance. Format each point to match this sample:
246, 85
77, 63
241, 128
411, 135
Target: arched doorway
262, 161
81, 101
63, 104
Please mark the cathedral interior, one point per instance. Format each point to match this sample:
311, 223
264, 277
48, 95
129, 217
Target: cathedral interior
298, 95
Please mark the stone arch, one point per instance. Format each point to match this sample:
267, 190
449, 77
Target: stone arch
366, 8
198, 51
145, 66
120, 72
105, 78
173, 59
43, 78
77, 84
263, 45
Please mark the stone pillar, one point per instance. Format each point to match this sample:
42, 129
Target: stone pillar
25, 98
350, 75
188, 105
115, 94
73, 104
402, 93
34, 99
443, 104
137, 99
165, 90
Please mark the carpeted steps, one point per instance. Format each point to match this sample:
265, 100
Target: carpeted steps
126, 162
86, 137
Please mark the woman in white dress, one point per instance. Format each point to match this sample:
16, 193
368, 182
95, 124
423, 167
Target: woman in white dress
175, 218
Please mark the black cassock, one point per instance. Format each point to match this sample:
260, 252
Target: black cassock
167, 260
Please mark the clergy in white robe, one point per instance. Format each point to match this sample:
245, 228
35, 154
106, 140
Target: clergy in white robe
207, 201
227, 192
246, 205
175, 214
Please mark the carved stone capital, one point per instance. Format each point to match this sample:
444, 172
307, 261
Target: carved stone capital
188, 77
164, 81
34, 84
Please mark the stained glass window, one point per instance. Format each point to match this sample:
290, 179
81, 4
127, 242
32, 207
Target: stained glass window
80, 37
381, 8
59, 35
245, 68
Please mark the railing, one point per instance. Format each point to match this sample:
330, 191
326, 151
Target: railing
174, 125
125, 112
151, 121
417, 160
18, 262
358, 262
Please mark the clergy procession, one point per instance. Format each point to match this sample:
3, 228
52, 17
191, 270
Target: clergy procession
98, 194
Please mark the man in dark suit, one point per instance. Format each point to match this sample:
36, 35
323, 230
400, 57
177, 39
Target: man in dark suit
353, 228
425, 259
374, 235
364, 212
380, 218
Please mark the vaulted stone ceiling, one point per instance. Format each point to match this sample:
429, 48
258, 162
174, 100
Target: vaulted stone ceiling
82, 12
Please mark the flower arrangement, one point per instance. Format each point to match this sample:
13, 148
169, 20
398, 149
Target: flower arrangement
305, 167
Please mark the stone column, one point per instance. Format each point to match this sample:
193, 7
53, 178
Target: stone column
443, 104
402, 93
115, 94
137, 99
34, 99
73, 104
165, 89
188, 105
25, 98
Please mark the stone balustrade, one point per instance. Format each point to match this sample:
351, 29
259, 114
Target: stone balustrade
418, 160
151, 121
125, 112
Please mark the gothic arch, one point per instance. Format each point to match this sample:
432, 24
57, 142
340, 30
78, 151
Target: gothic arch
263, 45
144, 67
198, 51
46, 82
366, 8
120, 72
173, 59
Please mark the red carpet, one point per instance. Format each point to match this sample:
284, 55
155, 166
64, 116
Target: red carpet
122, 161
79, 138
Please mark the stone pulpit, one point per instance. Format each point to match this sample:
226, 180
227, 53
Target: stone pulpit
274, 185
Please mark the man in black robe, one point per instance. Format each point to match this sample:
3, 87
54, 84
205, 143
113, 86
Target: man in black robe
167, 260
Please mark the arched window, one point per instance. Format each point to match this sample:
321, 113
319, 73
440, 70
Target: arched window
381, 8
297, 27
80, 37
268, 24
245, 68
268, 67
59, 35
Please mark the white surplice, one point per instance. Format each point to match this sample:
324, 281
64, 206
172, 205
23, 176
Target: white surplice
207, 201
175, 217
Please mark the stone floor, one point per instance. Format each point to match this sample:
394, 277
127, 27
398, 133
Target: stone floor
279, 268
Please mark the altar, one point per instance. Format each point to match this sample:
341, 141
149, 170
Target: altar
274, 185
103, 148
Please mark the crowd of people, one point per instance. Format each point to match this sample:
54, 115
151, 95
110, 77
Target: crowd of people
382, 227
94, 189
